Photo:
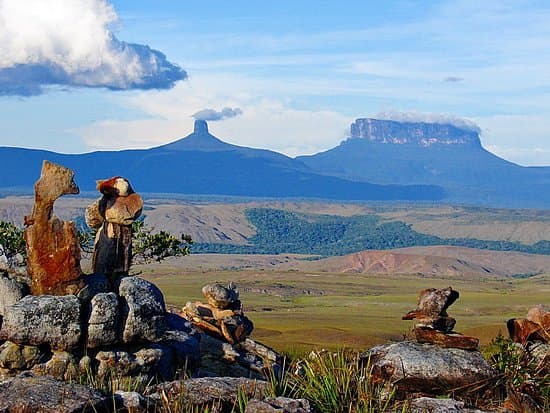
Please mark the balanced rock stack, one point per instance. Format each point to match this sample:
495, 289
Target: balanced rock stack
80, 324
223, 316
225, 347
433, 324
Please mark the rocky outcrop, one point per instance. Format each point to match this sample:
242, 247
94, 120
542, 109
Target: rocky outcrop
428, 369
209, 390
53, 251
413, 133
113, 215
46, 319
433, 324
27, 393
104, 320
143, 310
11, 291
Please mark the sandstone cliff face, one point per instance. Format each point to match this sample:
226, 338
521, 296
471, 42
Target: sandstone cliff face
413, 133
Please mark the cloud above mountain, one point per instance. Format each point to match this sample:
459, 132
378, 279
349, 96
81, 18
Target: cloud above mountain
413, 116
72, 43
213, 115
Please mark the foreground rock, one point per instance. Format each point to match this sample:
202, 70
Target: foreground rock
209, 390
143, 310
45, 319
26, 393
430, 405
278, 405
11, 291
428, 369
53, 251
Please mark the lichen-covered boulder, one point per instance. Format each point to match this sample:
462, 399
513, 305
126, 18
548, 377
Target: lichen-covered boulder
11, 292
103, 321
143, 310
45, 319
427, 368
27, 393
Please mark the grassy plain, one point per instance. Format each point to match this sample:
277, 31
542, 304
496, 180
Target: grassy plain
296, 311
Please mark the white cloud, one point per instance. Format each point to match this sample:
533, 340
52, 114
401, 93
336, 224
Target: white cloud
413, 116
71, 42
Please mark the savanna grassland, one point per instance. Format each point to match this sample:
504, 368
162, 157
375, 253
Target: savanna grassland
299, 310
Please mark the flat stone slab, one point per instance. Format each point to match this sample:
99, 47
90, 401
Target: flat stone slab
428, 369
44, 319
207, 390
27, 393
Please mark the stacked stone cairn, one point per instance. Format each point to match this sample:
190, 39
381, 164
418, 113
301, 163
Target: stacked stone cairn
437, 361
106, 324
225, 346
433, 324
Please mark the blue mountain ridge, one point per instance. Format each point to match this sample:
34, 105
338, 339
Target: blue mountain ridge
202, 164
410, 153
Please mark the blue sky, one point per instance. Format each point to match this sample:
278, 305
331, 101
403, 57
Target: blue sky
293, 75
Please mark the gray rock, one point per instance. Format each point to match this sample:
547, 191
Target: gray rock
45, 319
430, 405
426, 368
539, 354
185, 348
17, 357
219, 358
221, 297
11, 292
143, 310
133, 402
207, 390
278, 405
27, 393
103, 321
94, 284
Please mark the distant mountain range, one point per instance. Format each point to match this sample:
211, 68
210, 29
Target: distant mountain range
381, 160
202, 164
452, 157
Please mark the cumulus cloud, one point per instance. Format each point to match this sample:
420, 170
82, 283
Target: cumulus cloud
213, 115
414, 116
71, 43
